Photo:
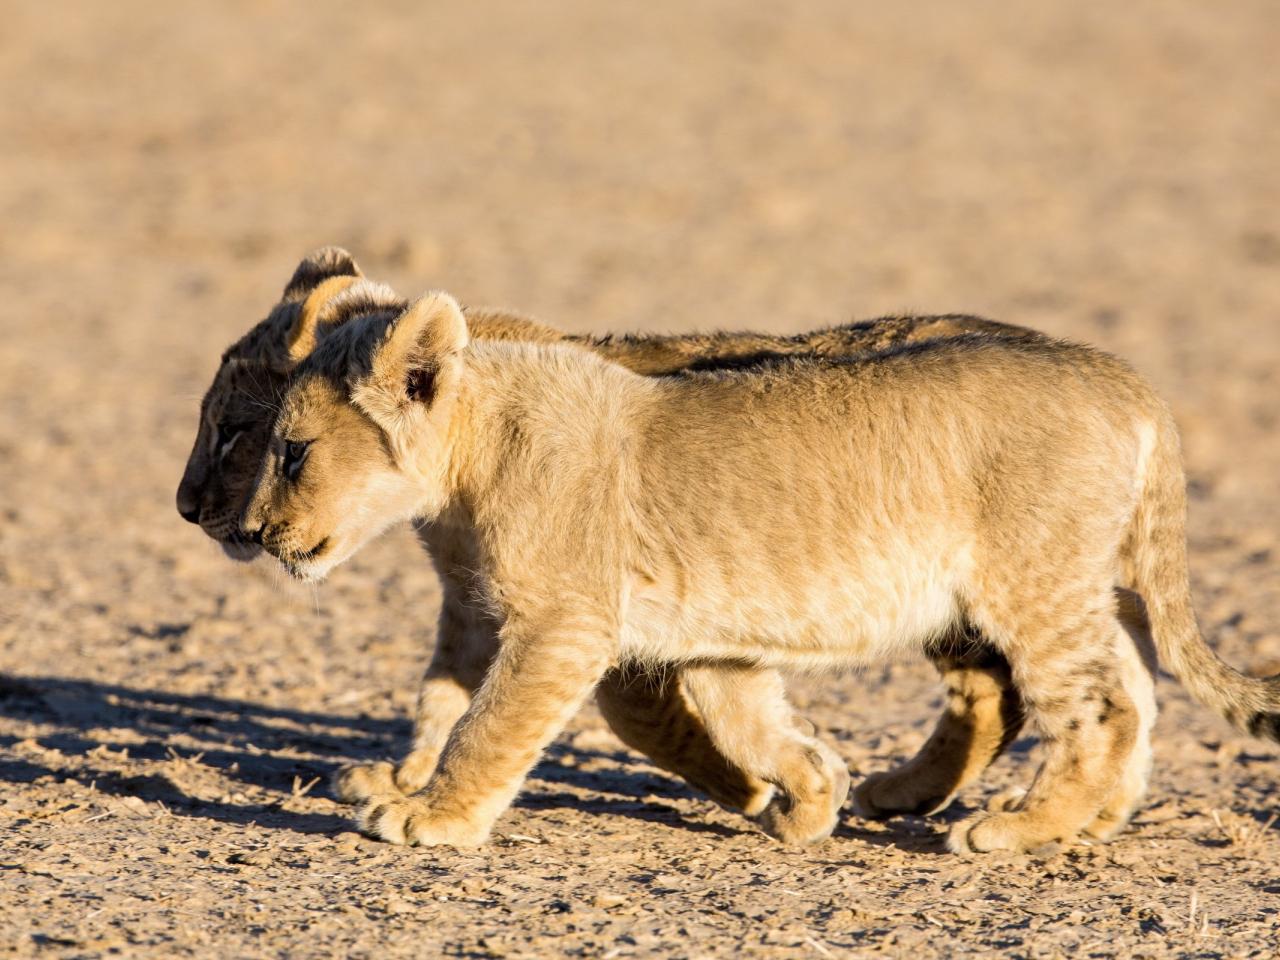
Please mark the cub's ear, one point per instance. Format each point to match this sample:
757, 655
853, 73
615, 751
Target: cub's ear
416, 357
318, 266
300, 339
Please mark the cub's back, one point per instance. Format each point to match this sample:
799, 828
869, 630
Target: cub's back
662, 354
919, 431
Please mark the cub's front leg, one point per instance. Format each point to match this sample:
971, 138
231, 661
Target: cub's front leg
545, 668
467, 645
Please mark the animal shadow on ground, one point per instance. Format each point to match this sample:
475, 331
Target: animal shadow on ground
83, 729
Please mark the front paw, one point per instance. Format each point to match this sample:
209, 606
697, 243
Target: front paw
807, 808
411, 822
357, 782
1016, 832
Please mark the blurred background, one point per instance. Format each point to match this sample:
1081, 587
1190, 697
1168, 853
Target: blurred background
1101, 171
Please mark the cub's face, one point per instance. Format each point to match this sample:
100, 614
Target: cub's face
238, 409
363, 439
328, 484
235, 425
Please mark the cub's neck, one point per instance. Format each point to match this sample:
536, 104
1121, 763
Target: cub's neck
526, 408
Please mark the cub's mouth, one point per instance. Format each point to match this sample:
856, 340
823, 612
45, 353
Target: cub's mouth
300, 563
238, 547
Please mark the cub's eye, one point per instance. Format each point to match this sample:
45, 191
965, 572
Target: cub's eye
228, 434
295, 455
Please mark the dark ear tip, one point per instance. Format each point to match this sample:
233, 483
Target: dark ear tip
318, 266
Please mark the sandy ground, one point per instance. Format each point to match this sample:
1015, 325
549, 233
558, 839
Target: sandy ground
167, 720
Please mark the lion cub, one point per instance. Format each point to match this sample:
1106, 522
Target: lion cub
798, 513
652, 711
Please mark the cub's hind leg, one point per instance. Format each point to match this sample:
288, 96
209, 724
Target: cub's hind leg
982, 715
1073, 685
650, 712
750, 721
1136, 655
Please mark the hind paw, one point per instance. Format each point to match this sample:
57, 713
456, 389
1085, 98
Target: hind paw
1012, 832
890, 794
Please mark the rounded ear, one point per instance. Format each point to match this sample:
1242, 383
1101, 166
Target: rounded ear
429, 329
318, 266
300, 340
415, 348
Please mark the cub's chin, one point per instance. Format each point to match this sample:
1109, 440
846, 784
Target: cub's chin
309, 571
312, 566
240, 551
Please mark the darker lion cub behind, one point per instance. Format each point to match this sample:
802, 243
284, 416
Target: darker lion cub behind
799, 512
772, 777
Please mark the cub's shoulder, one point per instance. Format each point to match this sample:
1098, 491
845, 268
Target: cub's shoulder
487, 323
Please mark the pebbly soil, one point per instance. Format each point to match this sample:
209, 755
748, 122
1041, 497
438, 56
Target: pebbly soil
168, 720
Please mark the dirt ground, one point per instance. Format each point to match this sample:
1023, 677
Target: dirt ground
168, 720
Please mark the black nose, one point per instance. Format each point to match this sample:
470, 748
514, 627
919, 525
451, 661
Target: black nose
188, 501
251, 528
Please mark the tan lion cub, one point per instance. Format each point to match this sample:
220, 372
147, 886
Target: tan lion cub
651, 711
799, 513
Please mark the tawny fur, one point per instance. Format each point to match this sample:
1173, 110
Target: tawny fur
796, 512
653, 714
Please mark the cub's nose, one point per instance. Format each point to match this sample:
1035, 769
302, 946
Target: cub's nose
188, 505
251, 527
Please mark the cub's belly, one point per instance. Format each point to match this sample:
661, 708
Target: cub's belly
836, 626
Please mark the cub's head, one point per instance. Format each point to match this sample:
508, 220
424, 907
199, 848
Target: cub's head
363, 439
238, 409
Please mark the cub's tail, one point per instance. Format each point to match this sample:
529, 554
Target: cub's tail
1155, 561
